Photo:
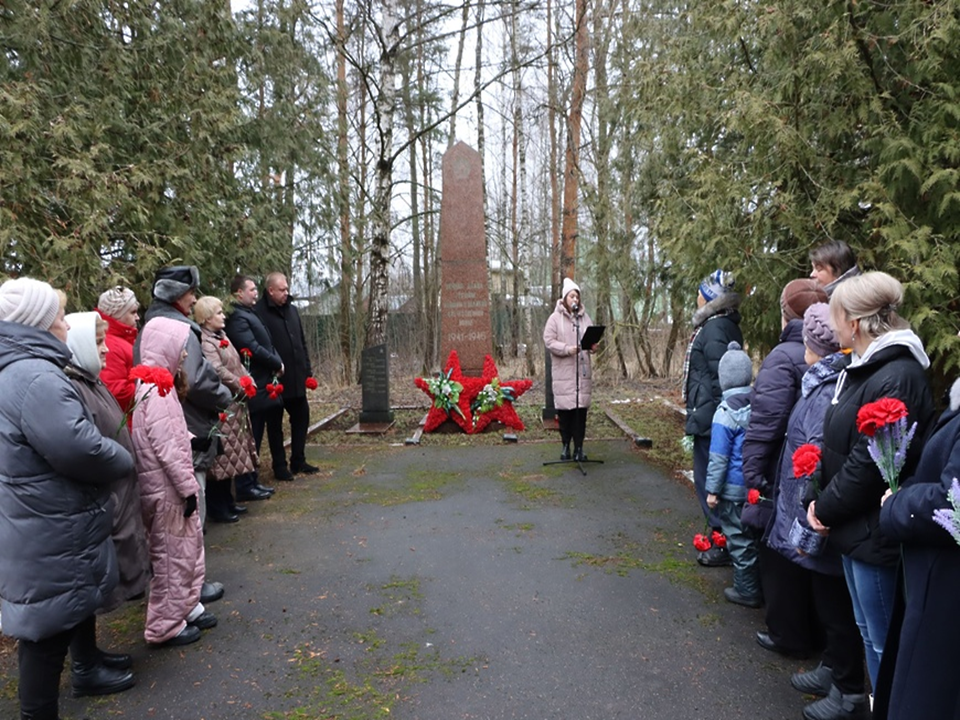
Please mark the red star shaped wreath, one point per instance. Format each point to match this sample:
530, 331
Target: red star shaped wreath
494, 399
451, 394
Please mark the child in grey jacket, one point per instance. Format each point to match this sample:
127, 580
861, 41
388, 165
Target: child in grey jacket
726, 492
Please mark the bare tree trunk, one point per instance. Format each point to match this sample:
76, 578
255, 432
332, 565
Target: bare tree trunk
455, 99
477, 85
571, 174
363, 162
343, 199
554, 153
514, 305
416, 233
431, 266
380, 242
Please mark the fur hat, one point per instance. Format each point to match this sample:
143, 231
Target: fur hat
29, 302
798, 295
117, 301
568, 287
172, 283
817, 333
736, 367
716, 284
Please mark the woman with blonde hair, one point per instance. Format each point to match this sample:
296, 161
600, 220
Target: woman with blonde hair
239, 455
887, 361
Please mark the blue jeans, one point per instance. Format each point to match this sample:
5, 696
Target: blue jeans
872, 589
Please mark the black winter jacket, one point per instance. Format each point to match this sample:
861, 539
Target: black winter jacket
247, 332
719, 323
774, 394
286, 332
924, 630
849, 503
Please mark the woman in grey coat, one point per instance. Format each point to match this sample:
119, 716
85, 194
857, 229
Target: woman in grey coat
57, 562
87, 342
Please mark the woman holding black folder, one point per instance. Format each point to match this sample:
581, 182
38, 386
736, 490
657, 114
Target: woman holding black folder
571, 393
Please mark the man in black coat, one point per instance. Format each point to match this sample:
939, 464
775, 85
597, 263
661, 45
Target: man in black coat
282, 321
247, 333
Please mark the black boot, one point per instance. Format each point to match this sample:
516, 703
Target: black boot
578, 454
98, 679
116, 661
565, 455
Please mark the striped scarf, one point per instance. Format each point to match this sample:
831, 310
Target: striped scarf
686, 362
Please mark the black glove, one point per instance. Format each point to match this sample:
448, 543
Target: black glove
190, 506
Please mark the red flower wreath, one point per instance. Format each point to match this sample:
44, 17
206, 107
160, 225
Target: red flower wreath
504, 412
469, 388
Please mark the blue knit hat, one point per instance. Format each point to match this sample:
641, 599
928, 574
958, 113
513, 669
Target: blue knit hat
716, 284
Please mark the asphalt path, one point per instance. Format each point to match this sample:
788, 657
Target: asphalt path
459, 583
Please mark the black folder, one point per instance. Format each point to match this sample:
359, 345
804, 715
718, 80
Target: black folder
591, 336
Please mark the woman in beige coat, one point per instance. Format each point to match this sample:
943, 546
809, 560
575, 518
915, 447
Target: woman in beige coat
571, 390
239, 450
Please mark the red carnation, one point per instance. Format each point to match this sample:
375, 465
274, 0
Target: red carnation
246, 384
157, 376
885, 411
224, 343
223, 417
246, 353
701, 542
805, 460
719, 539
274, 389
753, 496
311, 383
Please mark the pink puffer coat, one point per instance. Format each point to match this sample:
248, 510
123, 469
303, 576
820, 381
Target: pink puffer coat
165, 468
561, 338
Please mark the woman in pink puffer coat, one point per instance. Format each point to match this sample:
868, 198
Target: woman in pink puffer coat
571, 392
168, 494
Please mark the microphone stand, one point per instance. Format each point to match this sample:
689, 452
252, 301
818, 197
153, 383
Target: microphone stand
576, 411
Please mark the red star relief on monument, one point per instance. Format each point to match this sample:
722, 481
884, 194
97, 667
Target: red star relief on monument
505, 412
442, 395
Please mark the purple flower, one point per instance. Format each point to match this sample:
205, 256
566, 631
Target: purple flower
949, 518
888, 449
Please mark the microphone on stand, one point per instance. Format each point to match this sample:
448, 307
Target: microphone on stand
576, 307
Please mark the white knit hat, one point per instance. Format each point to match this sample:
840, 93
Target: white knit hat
116, 301
29, 302
568, 287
